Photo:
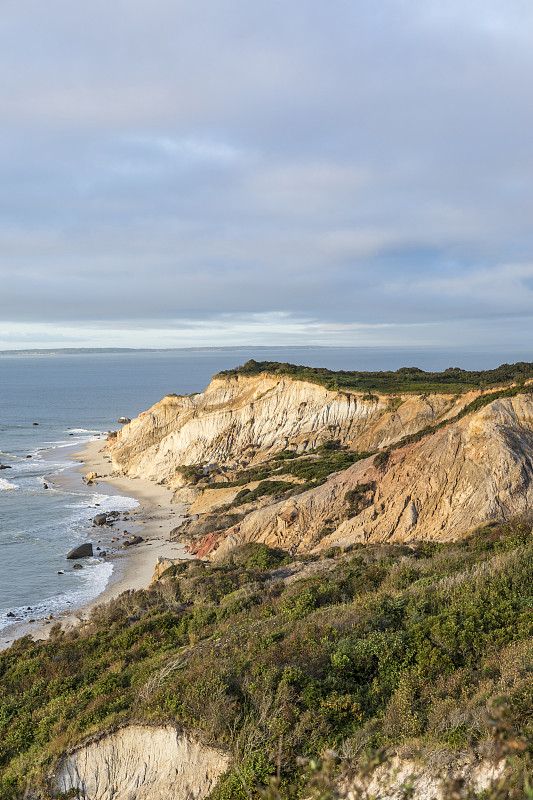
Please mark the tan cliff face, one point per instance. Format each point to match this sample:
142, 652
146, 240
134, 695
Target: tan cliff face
248, 418
141, 762
473, 471
468, 472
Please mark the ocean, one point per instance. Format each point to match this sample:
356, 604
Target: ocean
75, 398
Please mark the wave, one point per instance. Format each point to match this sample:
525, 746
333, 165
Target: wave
105, 502
93, 581
83, 430
6, 486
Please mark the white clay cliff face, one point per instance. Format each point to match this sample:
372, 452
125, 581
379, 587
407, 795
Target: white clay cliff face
141, 762
267, 414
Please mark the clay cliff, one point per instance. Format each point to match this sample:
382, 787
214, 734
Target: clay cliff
246, 419
476, 470
465, 471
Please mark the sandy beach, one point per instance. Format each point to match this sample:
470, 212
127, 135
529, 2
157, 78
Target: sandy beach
153, 518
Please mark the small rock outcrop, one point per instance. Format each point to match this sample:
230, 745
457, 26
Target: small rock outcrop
140, 762
440, 774
84, 550
161, 566
100, 519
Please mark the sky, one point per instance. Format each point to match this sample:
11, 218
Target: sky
227, 172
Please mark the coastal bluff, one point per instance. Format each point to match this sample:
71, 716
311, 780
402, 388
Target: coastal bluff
241, 420
436, 464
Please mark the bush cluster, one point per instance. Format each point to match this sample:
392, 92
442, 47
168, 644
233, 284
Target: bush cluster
383, 645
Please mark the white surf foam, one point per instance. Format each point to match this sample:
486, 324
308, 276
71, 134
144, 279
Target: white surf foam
83, 430
6, 486
93, 581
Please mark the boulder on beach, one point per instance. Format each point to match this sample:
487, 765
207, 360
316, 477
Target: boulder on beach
90, 478
100, 519
82, 551
133, 540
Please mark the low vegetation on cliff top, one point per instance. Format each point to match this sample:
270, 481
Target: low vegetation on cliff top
370, 648
407, 379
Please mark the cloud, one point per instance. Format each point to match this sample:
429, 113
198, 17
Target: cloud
346, 171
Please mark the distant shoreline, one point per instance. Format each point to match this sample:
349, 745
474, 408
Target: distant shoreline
52, 351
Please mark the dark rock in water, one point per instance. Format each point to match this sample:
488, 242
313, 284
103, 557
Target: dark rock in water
3, 466
45, 486
35, 423
10, 614
82, 551
77, 566
102, 554
123, 420
100, 519
61, 572
28, 456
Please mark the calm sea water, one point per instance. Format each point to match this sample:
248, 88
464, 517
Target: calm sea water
73, 398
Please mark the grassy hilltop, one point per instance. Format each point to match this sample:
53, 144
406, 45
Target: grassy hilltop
405, 380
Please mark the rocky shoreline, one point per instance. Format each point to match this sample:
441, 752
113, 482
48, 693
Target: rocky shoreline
134, 564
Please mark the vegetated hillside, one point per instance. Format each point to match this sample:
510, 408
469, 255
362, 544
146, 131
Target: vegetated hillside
426, 648
384, 640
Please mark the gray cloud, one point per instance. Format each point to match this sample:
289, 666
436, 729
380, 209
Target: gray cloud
349, 167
